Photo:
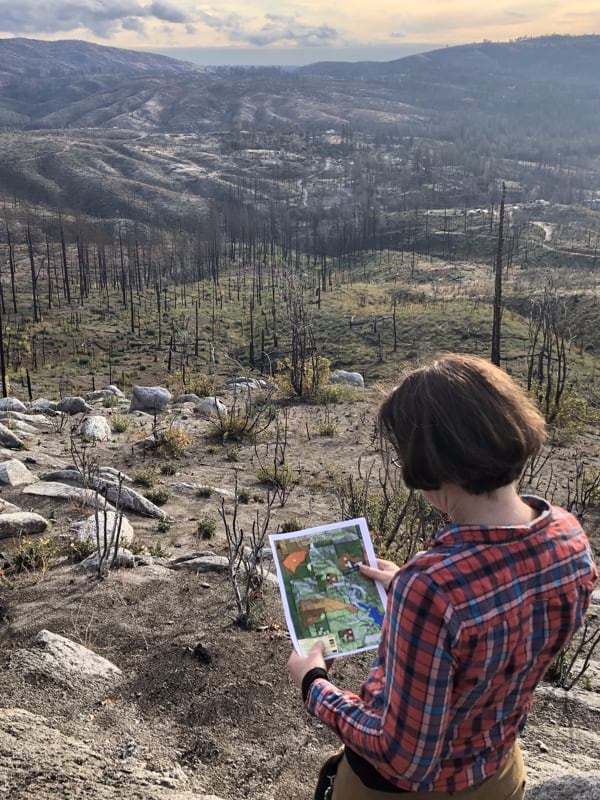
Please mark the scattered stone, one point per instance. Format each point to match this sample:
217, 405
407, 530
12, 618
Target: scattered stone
124, 560
116, 391
543, 748
201, 564
60, 658
340, 376
38, 420
21, 523
60, 491
9, 439
596, 598
22, 428
86, 530
96, 429
186, 398
98, 395
181, 487
15, 473
73, 405
44, 406
151, 399
7, 508
129, 499
12, 404
211, 406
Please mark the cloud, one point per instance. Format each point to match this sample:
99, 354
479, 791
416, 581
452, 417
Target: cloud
102, 17
105, 18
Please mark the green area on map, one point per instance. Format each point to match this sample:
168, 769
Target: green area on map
328, 598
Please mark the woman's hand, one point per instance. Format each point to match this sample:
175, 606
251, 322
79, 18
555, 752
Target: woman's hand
299, 665
384, 572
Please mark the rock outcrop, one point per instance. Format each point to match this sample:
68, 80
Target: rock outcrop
96, 429
150, 399
73, 405
15, 473
9, 439
21, 523
348, 378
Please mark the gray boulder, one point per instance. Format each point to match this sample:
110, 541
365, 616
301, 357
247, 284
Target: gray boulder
340, 376
73, 405
186, 398
62, 659
128, 499
211, 406
96, 429
86, 530
12, 404
116, 391
60, 491
98, 395
151, 399
7, 508
9, 439
202, 563
15, 473
21, 523
124, 560
38, 420
43, 406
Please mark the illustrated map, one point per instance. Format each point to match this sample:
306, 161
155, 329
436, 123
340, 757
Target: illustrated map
324, 594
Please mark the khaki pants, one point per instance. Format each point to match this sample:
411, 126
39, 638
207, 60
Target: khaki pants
507, 784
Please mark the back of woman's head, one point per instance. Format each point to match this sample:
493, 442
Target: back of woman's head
459, 419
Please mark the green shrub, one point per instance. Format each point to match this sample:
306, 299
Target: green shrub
280, 477
79, 549
291, 525
244, 496
164, 524
110, 402
168, 469
174, 441
332, 394
158, 550
158, 496
145, 477
206, 529
119, 423
203, 492
35, 554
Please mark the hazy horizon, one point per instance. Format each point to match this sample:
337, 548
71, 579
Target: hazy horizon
287, 57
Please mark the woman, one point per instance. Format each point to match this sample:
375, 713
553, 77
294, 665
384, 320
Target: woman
472, 623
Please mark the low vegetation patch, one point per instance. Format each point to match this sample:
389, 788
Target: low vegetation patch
159, 496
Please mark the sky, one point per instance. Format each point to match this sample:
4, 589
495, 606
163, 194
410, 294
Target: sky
293, 31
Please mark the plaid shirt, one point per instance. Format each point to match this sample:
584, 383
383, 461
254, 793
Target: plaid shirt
471, 626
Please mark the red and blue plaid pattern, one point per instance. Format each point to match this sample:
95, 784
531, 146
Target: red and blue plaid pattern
472, 625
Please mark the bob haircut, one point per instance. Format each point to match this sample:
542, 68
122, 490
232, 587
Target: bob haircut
459, 419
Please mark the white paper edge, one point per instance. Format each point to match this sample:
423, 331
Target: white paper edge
361, 522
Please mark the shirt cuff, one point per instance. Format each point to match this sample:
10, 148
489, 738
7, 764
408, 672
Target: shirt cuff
308, 680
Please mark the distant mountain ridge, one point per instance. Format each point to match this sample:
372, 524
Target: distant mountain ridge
549, 85
540, 58
34, 58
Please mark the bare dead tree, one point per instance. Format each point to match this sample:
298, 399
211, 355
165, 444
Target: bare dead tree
497, 320
246, 566
547, 352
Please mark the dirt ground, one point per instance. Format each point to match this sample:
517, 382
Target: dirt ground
224, 717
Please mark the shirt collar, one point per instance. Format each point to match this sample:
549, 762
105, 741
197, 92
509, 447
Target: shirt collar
483, 534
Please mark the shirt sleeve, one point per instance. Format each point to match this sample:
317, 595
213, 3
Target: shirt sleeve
404, 735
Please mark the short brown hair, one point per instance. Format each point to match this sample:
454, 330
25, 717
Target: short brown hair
459, 419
